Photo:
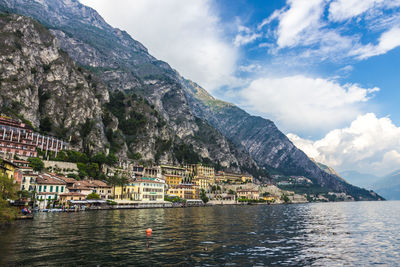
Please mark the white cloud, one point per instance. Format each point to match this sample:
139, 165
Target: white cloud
340, 10
304, 25
305, 104
245, 36
388, 41
250, 68
301, 16
186, 34
368, 145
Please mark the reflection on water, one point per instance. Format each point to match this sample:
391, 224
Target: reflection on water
362, 233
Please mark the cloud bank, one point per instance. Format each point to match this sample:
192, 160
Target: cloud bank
368, 145
305, 104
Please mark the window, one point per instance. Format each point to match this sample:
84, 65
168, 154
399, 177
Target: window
62, 189
57, 188
51, 188
44, 188
40, 188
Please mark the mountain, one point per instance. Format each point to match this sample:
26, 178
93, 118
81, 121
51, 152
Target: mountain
326, 168
360, 179
145, 115
181, 122
268, 146
389, 186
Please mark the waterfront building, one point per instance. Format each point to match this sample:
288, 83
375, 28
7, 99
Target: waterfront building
48, 189
272, 198
144, 189
184, 191
248, 194
17, 138
101, 188
65, 198
203, 176
172, 180
82, 187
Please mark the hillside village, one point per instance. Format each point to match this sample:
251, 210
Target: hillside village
45, 183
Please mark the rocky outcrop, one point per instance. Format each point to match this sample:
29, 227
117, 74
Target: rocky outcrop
40, 83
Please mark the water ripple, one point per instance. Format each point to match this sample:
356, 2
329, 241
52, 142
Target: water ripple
328, 234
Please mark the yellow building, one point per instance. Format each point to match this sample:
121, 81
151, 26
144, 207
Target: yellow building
173, 175
143, 190
201, 170
65, 198
248, 194
203, 176
271, 198
202, 182
185, 191
28, 182
9, 168
172, 180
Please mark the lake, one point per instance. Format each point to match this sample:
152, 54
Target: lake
318, 234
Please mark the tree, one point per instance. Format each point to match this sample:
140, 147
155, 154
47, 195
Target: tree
285, 198
92, 169
93, 195
203, 196
36, 163
45, 124
99, 158
111, 159
123, 180
8, 191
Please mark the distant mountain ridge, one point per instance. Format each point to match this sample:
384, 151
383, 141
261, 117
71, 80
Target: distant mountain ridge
181, 118
389, 185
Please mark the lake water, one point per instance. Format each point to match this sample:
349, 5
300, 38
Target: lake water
322, 234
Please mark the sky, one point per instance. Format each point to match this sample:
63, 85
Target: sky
327, 72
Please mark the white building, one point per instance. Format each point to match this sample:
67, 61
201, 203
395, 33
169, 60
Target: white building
47, 189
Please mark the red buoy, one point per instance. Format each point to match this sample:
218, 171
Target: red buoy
148, 232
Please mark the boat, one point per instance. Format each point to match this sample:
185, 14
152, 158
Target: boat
25, 217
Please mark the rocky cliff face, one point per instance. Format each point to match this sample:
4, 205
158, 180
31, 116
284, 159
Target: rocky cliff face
40, 83
152, 119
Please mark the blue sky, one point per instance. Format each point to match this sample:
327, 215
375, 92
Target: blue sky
325, 71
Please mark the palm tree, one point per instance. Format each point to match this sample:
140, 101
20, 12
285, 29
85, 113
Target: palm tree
113, 180
123, 180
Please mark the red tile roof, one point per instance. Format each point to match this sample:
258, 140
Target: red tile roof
47, 179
